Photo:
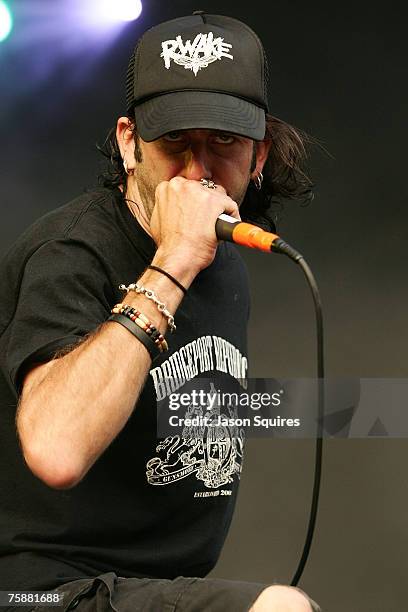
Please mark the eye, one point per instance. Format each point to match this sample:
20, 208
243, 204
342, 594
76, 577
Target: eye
224, 138
173, 137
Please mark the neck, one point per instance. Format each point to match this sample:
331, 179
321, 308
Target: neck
134, 203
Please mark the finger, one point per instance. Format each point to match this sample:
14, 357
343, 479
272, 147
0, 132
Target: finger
161, 191
231, 208
216, 187
220, 189
177, 182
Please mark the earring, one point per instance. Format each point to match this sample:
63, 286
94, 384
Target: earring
125, 165
258, 180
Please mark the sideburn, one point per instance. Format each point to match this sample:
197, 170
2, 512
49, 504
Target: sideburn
138, 151
253, 160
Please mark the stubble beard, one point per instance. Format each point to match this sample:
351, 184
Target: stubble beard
147, 190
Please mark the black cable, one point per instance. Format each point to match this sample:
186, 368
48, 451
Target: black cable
282, 247
320, 415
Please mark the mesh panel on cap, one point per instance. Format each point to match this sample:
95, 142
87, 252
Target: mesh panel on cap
266, 76
130, 76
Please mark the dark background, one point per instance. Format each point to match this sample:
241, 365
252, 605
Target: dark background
338, 72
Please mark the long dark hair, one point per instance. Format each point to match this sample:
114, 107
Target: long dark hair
285, 176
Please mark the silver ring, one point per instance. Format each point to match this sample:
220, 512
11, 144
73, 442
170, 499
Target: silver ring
208, 183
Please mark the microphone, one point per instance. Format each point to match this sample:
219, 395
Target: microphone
230, 229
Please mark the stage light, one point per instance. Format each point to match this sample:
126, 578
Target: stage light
6, 21
121, 10
72, 36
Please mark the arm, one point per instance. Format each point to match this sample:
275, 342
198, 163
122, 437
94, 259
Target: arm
73, 407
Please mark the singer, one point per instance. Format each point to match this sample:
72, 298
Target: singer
107, 297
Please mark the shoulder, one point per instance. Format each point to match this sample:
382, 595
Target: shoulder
87, 219
76, 218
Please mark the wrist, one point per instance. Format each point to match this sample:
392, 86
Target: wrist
178, 264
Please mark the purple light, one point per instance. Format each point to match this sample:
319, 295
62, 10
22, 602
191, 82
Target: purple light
120, 10
106, 14
68, 37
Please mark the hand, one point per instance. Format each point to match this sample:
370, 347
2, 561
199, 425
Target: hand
183, 220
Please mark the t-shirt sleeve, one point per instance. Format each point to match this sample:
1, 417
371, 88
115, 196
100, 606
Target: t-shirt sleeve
64, 295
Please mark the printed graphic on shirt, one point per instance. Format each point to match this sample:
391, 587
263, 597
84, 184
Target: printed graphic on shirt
205, 354
212, 453
195, 55
209, 451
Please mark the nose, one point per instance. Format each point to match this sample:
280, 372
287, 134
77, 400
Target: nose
197, 165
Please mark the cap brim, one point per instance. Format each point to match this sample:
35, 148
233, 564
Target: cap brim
186, 110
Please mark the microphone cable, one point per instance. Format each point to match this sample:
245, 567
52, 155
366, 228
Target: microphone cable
246, 234
320, 417
280, 246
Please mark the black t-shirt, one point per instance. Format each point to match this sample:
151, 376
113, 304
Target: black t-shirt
146, 507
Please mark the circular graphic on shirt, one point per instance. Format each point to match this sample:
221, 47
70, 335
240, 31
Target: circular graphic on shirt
211, 452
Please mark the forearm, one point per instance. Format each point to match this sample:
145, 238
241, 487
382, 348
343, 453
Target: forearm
74, 406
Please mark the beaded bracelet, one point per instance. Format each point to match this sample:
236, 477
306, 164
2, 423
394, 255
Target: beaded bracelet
150, 294
151, 347
143, 322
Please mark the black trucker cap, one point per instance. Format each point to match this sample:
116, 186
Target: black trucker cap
200, 71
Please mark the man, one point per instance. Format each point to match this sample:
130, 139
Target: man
96, 505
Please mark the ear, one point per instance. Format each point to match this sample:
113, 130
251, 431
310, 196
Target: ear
262, 151
126, 141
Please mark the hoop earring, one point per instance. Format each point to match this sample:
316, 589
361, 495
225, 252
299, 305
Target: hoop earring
125, 165
258, 180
